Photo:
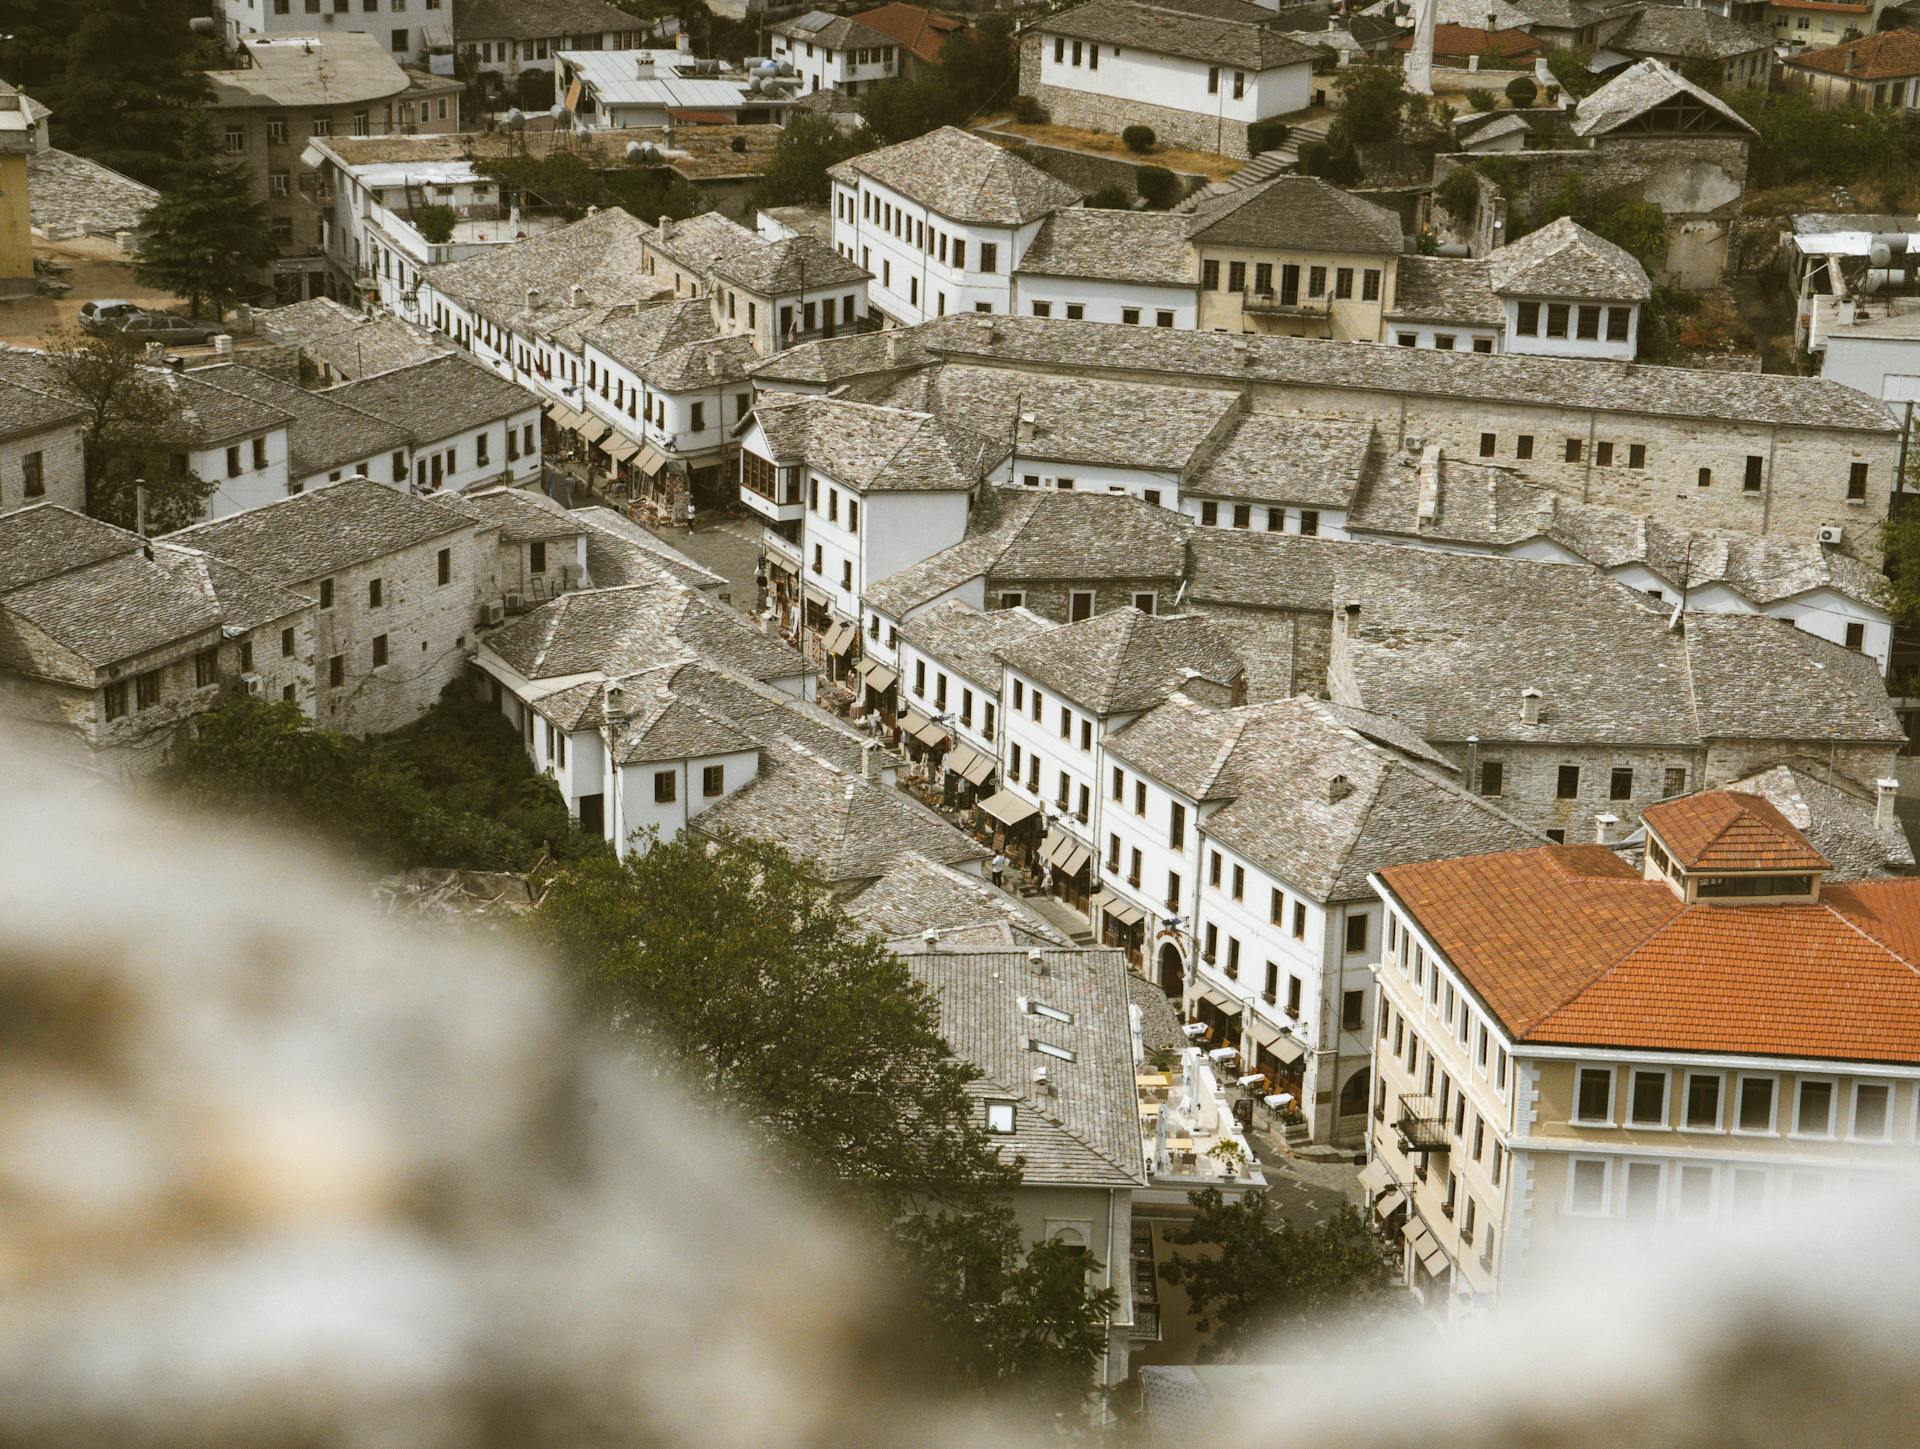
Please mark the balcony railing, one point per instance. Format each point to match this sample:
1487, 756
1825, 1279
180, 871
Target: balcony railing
1420, 1125
1287, 304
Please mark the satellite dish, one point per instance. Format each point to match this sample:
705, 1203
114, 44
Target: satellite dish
513, 120
560, 111
635, 150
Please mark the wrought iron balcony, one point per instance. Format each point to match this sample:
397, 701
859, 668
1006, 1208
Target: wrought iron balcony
1287, 304
1421, 1126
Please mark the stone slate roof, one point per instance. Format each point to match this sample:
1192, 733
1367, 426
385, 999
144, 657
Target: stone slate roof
1242, 568
1446, 289
792, 264
620, 551
1085, 1130
1075, 420
1018, 535
835, 32
829, 102
968, 641
523, 515
323, 431
635, 336
1693, 34
624, 630
25, 409
1295, 213
1124, 661
1351, 805
914, 895
600, 253
1146, 248
69, 196
1245, 41
1837, 820
1268, 458
963, 178
1447, 642
873, 449
324, 530
1489, 507
352, 345
217, 415
702, 364
848, 827
437, 398
107, 598
537, 19
1886, 56
1639, 89
1614, 387
698, 243
656, 725
827, 360
1564, 259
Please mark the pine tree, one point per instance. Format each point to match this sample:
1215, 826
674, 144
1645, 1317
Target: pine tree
133, 67
207, 236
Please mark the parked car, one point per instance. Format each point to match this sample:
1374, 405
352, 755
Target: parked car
165, 327
105, 314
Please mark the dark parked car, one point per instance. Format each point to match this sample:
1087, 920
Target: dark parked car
165, 327
105, 314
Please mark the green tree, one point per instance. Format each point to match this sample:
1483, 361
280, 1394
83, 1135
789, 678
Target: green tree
435, 222
899, 110
1639, 227
1265, 1276
1900, 540
133, 69
1374, 100
809, 145
1568, 65
1521, 91
735, 967
207, 237
1158, 187
570, 183
981, 64
1482, 100
134, 433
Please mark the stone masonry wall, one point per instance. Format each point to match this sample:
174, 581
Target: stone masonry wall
1115, 113
62, 470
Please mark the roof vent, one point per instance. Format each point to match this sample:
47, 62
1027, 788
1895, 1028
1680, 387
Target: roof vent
896, 347
1338, 788
931, 937
613, 702
666, 228
576, 295
1037, 959
1530, 706
533, 298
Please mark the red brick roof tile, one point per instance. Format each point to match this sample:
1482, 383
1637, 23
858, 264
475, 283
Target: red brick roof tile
1884, 56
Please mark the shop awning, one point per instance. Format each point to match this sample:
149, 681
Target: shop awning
878, 677
970, 765
1390, 1204
1008, 808
1374, 1177
1417, 1236
592, 429
649, 460
1276, 1043
1436, 1260
622, 449
924, 730
1067, 855
564, 418
1120, 911
838, 638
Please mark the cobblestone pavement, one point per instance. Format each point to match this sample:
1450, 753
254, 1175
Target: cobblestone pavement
730, 549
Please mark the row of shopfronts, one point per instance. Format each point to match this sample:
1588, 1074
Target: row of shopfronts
663, 488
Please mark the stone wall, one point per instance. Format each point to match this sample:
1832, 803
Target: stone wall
1085, 171
1051, 598
63, 473
1115, 113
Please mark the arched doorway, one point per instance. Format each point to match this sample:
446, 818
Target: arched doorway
1172, 970
1353, 1095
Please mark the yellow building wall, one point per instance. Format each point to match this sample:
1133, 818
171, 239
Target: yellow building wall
1353, 320
16, 225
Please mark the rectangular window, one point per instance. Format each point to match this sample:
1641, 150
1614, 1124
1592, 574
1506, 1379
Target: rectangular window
1588, 325
1647, 1103
1620, 783
1587, 1187
33, 475
1236, 276
1173, 890
1488, 443
1593, 1096
1523, 446
1603, 455
1492, 777
206, 664
1529, 325
1872, 1111
1177, 826
665, 787
1573, 450
1557, 319
1856, 482
713, 780
336, 671
379, 651
114, 700
1370, 285
1643, 1191
989, 255
1751, 480
1567, 783
1756, 1104
1813, 1110
1299, 921
1210, 276
1703, 1102
1356, 931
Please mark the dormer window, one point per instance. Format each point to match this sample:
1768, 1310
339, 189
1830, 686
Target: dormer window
1040, 1008
1048, 1049
1001, 1118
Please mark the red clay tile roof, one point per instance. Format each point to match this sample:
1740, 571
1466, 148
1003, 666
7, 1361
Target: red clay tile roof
1722, 830
1876, 57
920, 30
1568, 945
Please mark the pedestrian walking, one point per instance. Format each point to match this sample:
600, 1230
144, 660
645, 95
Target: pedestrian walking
998, 866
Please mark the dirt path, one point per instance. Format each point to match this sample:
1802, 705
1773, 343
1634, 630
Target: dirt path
98, 271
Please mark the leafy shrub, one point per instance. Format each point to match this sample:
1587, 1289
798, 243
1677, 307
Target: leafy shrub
1029, 112
1138, 139
533, 90
1459, 194
1482, 99
1158, 187
435, 222
1110, 198
1267, 135
1521, 90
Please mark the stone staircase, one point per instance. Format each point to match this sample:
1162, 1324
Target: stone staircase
1268, 164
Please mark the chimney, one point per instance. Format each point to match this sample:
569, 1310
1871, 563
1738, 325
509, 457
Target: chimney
1428, 508
1884, 792
576, 295
1338, 788
985, 325
1529, 706
666, 227
1242, 352
1025, 427
613, 702
896, 346
1603, 828
683, 43
1350, 619
223, 345
870, 760
1037, 959
930, 938
533, 298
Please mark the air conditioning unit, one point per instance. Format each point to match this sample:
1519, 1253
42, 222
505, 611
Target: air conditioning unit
492, 614
1831, 534
516, 604
252, 683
